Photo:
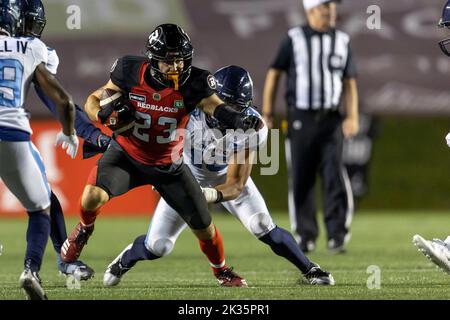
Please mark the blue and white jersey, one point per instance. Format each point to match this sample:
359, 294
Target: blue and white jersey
208, 151
53, 61
19, 58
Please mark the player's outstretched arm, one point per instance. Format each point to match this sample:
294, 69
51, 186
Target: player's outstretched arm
237, 174
215, 107
92, 105
65, 106
53, 89
83, 126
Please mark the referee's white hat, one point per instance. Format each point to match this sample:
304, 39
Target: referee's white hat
308, 4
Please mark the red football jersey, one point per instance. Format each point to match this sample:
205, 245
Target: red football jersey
157, 137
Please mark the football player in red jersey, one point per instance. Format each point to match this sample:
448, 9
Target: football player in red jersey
163, 88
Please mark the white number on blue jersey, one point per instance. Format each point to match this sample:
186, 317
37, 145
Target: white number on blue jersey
11, 74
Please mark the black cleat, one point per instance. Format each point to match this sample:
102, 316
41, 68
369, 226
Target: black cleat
317, 276
78, 269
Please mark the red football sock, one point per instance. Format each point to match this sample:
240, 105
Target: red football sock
88, 217
213, 249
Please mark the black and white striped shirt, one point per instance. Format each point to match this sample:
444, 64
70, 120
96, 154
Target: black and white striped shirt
316, 64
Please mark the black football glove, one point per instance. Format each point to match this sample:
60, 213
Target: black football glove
123, 110
251, 122
104, 113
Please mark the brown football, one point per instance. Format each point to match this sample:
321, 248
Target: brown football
112, 98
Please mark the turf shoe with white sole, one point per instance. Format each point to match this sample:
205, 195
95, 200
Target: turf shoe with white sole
436, 250
115, 270
30, 282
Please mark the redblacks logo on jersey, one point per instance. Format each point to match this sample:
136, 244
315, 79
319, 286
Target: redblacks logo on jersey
159, 114
156, 107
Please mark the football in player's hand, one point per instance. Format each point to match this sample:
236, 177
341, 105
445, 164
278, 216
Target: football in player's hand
116, 112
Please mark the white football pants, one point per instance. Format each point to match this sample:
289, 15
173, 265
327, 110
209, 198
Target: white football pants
23, 172
249, 208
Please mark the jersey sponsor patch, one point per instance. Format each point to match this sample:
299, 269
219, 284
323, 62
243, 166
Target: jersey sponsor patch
137, 97
212, 82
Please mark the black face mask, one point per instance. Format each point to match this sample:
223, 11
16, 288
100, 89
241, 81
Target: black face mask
445, 46
34, 25
444, 22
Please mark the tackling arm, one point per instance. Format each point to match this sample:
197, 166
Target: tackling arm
225, 114
84, 127
237, 174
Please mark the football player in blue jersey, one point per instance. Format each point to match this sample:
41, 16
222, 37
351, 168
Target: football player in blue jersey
224, 180
437, 250
23, 60
33, 24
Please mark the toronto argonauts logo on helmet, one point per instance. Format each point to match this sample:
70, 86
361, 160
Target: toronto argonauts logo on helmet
10, 17
234, 86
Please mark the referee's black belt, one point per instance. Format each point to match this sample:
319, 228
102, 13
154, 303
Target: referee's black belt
317, 113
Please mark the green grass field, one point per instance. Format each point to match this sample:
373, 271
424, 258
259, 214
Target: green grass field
379, 238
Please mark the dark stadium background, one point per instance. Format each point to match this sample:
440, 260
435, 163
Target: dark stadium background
403, 77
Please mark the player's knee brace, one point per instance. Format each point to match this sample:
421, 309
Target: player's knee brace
161, 247
260, 224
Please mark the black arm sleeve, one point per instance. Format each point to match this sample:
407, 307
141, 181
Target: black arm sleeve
350, 67
125, 71
228, 116
284, 55
116, 74
200, 84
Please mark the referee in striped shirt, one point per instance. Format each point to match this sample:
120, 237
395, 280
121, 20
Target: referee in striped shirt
320, 70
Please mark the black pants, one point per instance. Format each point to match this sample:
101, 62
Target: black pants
314, 146
117, 173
